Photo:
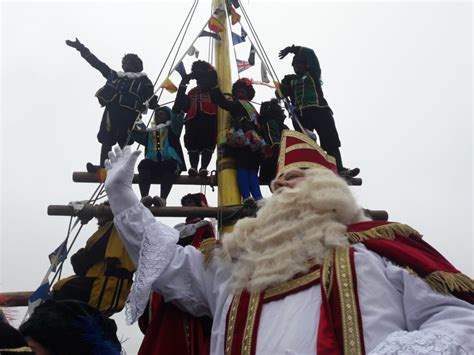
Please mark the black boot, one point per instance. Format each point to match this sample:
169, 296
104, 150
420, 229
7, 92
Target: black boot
194, 161
205, 160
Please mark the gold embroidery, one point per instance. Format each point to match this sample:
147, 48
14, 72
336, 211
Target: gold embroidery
385, 231
231, 322
350, 326
326, 273
250, 324
298, 146
292, 284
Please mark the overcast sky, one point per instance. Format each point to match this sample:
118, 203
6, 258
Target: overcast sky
398, 76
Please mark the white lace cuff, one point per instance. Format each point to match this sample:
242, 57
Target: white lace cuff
418, 342
156, 252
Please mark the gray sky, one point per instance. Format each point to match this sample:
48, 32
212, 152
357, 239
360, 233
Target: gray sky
398, 76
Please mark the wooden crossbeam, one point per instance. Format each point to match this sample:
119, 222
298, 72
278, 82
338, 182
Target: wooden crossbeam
91, 211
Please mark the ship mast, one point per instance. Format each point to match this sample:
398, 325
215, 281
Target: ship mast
228, 191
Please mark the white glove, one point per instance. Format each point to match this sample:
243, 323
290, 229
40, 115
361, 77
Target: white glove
118, 184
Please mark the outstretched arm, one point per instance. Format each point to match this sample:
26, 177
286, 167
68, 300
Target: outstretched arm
91, 58
420, 318
177, 273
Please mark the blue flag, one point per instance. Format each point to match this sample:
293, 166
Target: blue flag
41, 293
236, 39
58, 255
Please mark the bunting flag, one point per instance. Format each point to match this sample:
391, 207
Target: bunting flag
181, 69
38, 296
193, 51
264, 73
234, 15
169, 86
242, 65
215, 25
236, 39
252, 55
58, 255
210, 34
243, 34
235, 3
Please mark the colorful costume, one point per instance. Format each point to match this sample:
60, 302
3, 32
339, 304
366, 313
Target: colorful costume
104, 273
311, 108
169, 330
243, 140
200, 125
123, 96
163, 153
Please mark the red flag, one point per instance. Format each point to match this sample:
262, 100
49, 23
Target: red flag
214, 25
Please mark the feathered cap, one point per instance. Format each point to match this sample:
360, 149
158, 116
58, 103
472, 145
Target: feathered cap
72, 327
298, 151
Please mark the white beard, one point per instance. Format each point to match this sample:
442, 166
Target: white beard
294, 226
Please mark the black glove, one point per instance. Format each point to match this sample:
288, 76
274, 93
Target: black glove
284, 52
76, 44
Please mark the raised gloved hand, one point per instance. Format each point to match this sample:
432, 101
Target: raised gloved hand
75, 44
284, 52
118, 184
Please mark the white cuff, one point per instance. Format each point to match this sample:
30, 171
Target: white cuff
418, 342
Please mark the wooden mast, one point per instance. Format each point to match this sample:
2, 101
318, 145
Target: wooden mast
228, 191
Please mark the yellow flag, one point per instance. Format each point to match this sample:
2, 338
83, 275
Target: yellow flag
234, 16
169, 86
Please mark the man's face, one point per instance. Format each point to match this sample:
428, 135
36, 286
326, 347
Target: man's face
189, 202
299, 68
161, 117
288, 180
241, 94
127, 65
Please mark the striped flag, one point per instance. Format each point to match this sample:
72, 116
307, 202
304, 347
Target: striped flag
169, 86
215, 25
242, 65
236, 39
58, 255
234, 16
